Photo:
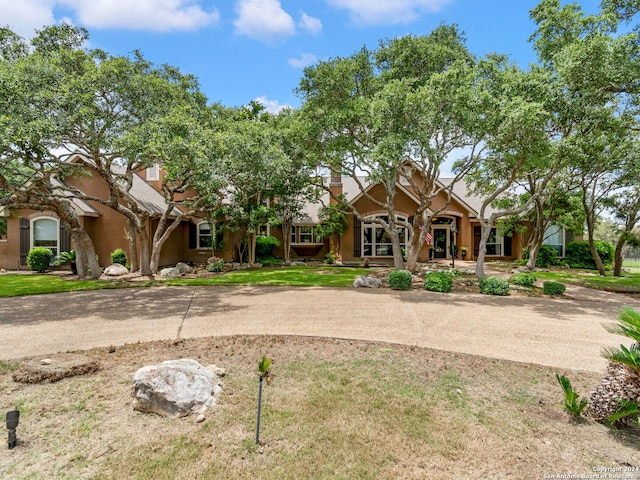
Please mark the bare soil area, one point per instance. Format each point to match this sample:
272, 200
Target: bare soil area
336, 409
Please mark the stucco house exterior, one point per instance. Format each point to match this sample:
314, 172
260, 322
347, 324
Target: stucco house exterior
191, 242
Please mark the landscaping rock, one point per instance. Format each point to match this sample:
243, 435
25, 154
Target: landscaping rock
183, 268
211, 260
170, 272
367, 282
175, 388
115, 270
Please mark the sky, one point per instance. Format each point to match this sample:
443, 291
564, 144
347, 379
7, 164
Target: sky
243, 50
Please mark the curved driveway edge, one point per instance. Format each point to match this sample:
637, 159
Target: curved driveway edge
563, 333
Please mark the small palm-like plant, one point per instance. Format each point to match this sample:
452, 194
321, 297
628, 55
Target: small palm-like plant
628, 324
628, 411
572, 404
626, 356
263, 374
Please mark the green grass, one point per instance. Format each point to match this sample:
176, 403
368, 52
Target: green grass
308, 276
629, 282
15, 285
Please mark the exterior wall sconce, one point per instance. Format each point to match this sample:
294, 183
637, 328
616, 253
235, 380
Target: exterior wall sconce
12, 418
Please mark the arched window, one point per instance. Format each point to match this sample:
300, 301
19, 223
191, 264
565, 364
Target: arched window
376, 242
45, 232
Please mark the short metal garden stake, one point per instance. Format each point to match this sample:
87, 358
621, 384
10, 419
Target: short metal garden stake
263, 373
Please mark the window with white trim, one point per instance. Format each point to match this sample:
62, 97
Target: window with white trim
45, 232
376, 242
495, 243
305, 234
204, 235
153, 173
554, 237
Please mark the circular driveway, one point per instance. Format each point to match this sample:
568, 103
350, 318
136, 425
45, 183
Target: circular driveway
563, 333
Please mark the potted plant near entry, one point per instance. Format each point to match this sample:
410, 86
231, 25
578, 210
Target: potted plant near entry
65, 258
463, 251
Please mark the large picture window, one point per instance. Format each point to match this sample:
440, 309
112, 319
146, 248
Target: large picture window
495, 243
305, 234
554, 237
376, 242
45, 232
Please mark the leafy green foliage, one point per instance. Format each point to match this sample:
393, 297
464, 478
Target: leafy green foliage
400, 280
579, 254
3, 226
523, 279
39, 259
330, 257
628, 324
263, 366
547, 257
493, 286
119, 256
265, 246
553, 288
571, 404
216, 266
628, 410
65, 258
627, 356
438, 282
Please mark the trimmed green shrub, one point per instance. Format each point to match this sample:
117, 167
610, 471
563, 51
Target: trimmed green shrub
265, 246
547, 257
119, 256
494, 286
523, 279
39, 259
438, 282
216, 266
579, 254
553, 288
400, 280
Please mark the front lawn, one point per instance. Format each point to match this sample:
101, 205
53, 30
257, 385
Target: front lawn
308, 276
629, 282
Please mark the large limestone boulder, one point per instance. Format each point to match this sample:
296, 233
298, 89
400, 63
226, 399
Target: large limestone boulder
367, 282
115, 270
175, 388
183, 268
170, 272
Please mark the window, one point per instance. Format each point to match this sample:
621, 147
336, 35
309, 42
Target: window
376, 242
45, 232
494, 242
153, 173
554, 237
204, 235
305, 234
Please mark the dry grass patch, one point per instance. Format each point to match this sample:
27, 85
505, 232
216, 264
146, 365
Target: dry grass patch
336, 409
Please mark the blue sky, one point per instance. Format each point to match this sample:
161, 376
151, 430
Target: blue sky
243, 50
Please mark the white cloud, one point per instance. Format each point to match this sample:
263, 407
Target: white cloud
309, 23
26, 16
385, 11
303, 60
155, 15
271, 106
263, 20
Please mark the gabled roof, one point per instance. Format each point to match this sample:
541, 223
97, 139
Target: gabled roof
460, 190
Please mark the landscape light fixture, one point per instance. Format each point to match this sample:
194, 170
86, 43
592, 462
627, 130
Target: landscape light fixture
12, 418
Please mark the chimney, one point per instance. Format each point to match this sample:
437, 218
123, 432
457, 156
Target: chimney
335, 186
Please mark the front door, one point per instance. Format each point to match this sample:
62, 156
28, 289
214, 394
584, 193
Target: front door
440, 242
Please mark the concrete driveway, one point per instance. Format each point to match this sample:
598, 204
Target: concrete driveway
564, 333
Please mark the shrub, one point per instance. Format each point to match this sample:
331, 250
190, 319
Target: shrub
523, 279
119, 256
400, 280
494, 286
215, 266
572, 404
39, 259
579, 254
265, 247
553, 288
330, 258
547, 256
438, 282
